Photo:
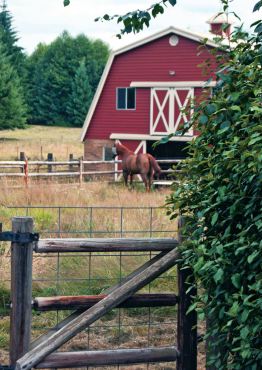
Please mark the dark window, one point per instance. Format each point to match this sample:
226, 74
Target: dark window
108, 154
126, 98
121, 98
131, 98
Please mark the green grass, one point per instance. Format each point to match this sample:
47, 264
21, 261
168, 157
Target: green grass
4, 300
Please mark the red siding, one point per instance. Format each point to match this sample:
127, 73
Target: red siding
149, 62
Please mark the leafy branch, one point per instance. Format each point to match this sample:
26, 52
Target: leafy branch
134, 21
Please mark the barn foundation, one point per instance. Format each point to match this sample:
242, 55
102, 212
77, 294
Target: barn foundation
98, 150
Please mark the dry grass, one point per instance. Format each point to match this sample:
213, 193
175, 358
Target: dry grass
105, 269
37, 141
134, 332
89, 194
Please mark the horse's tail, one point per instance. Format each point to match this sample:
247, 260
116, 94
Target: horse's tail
154, 165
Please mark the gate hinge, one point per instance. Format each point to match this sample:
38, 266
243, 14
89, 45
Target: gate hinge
9, 236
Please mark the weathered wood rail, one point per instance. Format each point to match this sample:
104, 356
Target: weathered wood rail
73, 168
25, 355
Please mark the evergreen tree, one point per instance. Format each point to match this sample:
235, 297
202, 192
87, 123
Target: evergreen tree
81, 96
52, 71
9, 39
12, 107
35, 71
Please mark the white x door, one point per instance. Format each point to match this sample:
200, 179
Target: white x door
171, 108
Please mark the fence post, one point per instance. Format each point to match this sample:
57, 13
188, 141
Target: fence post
49, 159
26, 171
22, 157
21, 290
71, 158
80, 171
187, 323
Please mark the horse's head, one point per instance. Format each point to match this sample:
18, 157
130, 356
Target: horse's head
115, 149
114, 152
120, 150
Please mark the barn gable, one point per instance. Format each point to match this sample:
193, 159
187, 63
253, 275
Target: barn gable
163, 70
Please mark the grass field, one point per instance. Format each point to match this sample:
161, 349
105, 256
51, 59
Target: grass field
38, 141
134, 331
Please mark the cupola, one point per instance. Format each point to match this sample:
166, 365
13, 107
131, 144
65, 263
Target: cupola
220, 25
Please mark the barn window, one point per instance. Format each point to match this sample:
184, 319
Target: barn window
126, 98
107, 153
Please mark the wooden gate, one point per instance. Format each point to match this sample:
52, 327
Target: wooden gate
41, 353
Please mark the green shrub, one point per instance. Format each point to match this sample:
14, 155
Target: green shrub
221, 199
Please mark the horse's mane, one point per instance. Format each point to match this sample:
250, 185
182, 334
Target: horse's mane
123, 149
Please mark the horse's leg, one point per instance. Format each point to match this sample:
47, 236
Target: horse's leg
125, 175
145, 180
149, 182
131, 180
150, 178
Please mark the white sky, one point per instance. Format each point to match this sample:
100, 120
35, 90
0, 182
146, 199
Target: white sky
43, 20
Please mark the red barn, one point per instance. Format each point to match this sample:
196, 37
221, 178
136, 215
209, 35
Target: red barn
146, 92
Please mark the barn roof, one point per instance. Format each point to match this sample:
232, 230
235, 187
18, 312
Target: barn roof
220, 18
178, 31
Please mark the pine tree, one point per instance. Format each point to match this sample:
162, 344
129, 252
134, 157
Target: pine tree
52, 69
81, 96
9, 38
12, 106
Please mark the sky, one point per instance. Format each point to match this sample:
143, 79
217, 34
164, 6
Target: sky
38, 21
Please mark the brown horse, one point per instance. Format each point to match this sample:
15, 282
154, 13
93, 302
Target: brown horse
133, 164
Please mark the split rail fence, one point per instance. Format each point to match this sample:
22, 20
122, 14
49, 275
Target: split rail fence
42, 353
73, 168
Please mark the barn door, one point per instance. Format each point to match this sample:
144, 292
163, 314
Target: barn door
171, 108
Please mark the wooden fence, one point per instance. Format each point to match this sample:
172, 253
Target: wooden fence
42, 353
74, 168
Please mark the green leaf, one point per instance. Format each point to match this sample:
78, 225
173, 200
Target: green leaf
192, 308
164, 140
236, 108
236, 279
221, 312
214, 218
211, 108
257, 6
252, 257
203, 119
235, 96
255, 140
244, 315
225, 124
234, 309
172, 2
244, 332
258, 28
219, 275
66, 2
